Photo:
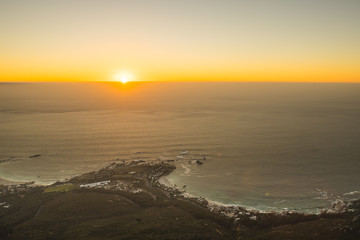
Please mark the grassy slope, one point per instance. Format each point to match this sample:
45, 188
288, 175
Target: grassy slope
73, 213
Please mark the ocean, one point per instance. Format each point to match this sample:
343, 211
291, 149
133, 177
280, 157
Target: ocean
265, 146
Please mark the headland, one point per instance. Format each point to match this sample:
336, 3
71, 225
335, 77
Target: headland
127, 200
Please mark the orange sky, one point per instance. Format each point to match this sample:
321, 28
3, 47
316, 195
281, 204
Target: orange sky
180, 40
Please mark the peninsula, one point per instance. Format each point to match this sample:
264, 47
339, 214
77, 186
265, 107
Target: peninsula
125, 200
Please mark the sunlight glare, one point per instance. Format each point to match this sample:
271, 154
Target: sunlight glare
123, 77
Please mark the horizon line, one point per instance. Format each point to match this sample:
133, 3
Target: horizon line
180, 81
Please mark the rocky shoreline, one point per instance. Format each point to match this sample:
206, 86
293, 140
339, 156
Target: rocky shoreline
140, 182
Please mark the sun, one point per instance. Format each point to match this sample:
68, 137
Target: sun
123, 77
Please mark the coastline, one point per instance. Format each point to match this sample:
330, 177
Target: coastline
336, 206
9, 182
158, 179
134, 188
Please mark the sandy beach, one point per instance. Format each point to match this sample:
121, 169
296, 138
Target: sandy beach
7, 182
129, 201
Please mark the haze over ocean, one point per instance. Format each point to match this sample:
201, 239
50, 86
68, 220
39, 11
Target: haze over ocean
268, 145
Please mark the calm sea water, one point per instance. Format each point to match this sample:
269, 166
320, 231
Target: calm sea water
267, 145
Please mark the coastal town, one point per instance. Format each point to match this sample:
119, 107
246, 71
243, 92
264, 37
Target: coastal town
138, 184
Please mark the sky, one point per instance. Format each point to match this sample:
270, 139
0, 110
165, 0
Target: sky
187, 40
